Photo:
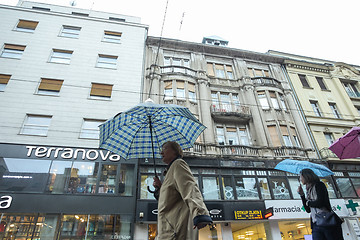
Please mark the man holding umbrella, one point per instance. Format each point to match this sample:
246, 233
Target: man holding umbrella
179, 198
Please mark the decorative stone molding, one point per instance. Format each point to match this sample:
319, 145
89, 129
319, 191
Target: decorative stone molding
315, 69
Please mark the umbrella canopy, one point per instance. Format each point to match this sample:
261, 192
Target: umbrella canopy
141, 131
347, 146
295, 166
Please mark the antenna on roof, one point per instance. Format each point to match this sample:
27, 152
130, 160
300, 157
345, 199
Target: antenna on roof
73, 3
182, 19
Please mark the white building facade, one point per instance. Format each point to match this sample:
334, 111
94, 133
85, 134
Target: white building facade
64, 71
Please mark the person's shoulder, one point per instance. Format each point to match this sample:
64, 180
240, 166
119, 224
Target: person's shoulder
179, 161
320, 184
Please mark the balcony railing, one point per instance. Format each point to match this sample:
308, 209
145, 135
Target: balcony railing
266, 81
178, 69
224, 111
246, 151
327, 153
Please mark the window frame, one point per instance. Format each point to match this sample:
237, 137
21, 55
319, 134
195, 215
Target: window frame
65, 59
49, 91
112, 37
304, 81
68, 31
15, 51
106, 89
87, 130
316, 108
4, 80
26, 125
334, 110
102, 62
239, 136
213, 70
26, 29
321, 83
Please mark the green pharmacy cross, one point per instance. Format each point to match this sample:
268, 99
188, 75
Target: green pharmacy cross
352, 205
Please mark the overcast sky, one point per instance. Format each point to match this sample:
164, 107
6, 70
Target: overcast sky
327, 29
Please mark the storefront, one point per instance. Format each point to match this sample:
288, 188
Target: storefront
55, 192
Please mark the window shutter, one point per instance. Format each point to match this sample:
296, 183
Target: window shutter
258, 73
228, 68
168, 84
62, 51
219, 67
251, 73
272, 94
118, 34
230, 129
15, 47
266, 73
27, 24
210, 69
4, 79
180, 84
102, 90
50, 84
274, 136
191, 87
293, 131
284, 130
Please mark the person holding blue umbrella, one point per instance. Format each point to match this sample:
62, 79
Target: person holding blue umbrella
179, 198
317, 201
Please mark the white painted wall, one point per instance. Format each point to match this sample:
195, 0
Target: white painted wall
73, 104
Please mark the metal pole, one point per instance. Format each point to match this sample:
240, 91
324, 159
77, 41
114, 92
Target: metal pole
152, 145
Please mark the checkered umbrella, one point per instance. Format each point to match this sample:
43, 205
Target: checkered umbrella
141, 131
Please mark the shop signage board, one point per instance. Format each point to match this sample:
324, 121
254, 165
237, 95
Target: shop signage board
5, 202
285, 209
353, 205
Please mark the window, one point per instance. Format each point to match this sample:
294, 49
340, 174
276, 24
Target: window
253, 72
315, 107
274, 100
41, 9
264, 188
274, 136
50, 86
282, 102
61, 56
168, 90
211, 188
225, 102
36, 125
70, 31
13, 51
220, 70
304, 80
107, 182
173, 61
280, 188
228, 189
263, 100
101, 90
351, 89
329, 138
321, 83
220, 135
117, 19
246, 188
358, 109
192, 94
286, 137
59, 172
232, 136
296, 139
113, 37
90, 129
80, 14
4, 79
180, 90
83, 178
345, 187
334, 110
107, 61
26, 26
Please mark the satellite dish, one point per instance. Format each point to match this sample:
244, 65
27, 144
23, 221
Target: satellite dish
73, 3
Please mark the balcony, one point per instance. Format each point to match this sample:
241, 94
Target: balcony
178, 69
266, 81
236, 151
230, 112
326, 153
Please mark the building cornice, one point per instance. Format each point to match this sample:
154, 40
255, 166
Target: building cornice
307, 66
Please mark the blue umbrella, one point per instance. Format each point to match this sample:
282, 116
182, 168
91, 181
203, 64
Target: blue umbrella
295, 166
141, 131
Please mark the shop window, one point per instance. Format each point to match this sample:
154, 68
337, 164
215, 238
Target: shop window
126, 180
73, 226
23, 175
4, 79
107, 61
329, 187
356, 183
12, 51
107, 182
295, 230
26, 26
112, 37
90, 129
345, 188
83, 178
280, 188
211, 188
152, 231
50, 86
264, 188
70, 31
60, 56
147, 180
211, 232
228, 190
60, 172
246, 188
248, 231
294, 185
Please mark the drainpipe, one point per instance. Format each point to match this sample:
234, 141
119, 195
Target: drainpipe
301, 111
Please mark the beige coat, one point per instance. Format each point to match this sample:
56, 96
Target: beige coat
180, 201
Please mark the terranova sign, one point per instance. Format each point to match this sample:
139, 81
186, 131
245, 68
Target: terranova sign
285, 209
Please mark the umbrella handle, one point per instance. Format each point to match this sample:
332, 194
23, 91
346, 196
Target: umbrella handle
150, 191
